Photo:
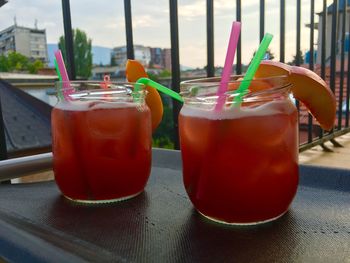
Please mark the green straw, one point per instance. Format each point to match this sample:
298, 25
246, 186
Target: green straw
59, 77
253, 67
159, 87
57, 70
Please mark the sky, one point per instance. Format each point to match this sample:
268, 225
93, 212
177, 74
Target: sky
103, 21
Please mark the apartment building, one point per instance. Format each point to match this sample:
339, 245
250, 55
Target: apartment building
30, 42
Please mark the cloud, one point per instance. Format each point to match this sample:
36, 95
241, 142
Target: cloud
104, 22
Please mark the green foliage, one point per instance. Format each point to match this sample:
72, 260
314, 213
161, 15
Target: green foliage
269, 52
3, 64
163, 142
35, 66
164, 134
82, 53
153, 77
165, 73
299, 57
18, 62
113, 63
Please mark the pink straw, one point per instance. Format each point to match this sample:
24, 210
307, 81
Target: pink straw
66, 86
225, 77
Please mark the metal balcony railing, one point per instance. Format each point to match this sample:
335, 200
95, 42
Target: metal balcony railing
342, 90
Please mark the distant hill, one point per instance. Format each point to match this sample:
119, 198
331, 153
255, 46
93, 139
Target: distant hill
100, 55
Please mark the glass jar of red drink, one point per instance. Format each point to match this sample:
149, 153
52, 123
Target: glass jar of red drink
240, 163
101, 141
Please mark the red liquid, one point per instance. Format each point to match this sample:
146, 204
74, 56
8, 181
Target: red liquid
101, 153
241, 170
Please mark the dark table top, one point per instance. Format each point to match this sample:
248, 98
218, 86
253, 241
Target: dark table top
38, 225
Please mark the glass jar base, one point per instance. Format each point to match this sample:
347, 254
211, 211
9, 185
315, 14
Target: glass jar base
240, 223
105, 201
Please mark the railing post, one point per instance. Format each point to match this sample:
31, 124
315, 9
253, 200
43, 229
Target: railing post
323, 47
347, 106
282, 28
262, 19
311, 64
3, 148
333, 44
175, 66
68, 36
298, 51
239, 44
128, 30
342, 66
210, 39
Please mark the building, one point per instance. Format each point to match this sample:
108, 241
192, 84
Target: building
142, 54
167, 58
329, 30
30, 42
156, 57
159, 58
115, 72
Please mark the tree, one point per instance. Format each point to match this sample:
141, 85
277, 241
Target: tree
113, 63
297, 58
3, 64
82, 53
164, 134
17, 61
269, 54
35, 66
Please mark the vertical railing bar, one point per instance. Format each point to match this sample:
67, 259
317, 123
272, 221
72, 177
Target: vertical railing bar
348, 88
312, 24
311, 63
282, 29
298, 52
68, 37
128, 30
3, 148
323, 40
297, 58
262, 19
175, 65
323, 47
239, 45
333, 46
210, 39
342, 60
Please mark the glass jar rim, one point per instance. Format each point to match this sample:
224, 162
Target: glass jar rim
280, 82
205, 90
100, 82
90, 89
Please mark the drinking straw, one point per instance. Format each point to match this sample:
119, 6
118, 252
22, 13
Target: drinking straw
64, 75
57, 69
253, 67
159, 87
59, 92
230, 54
106, 82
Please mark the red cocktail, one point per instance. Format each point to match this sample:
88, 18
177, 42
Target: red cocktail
101, 145
240, 165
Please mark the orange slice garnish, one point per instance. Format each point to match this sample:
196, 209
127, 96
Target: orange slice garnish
134, 71
307, 87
